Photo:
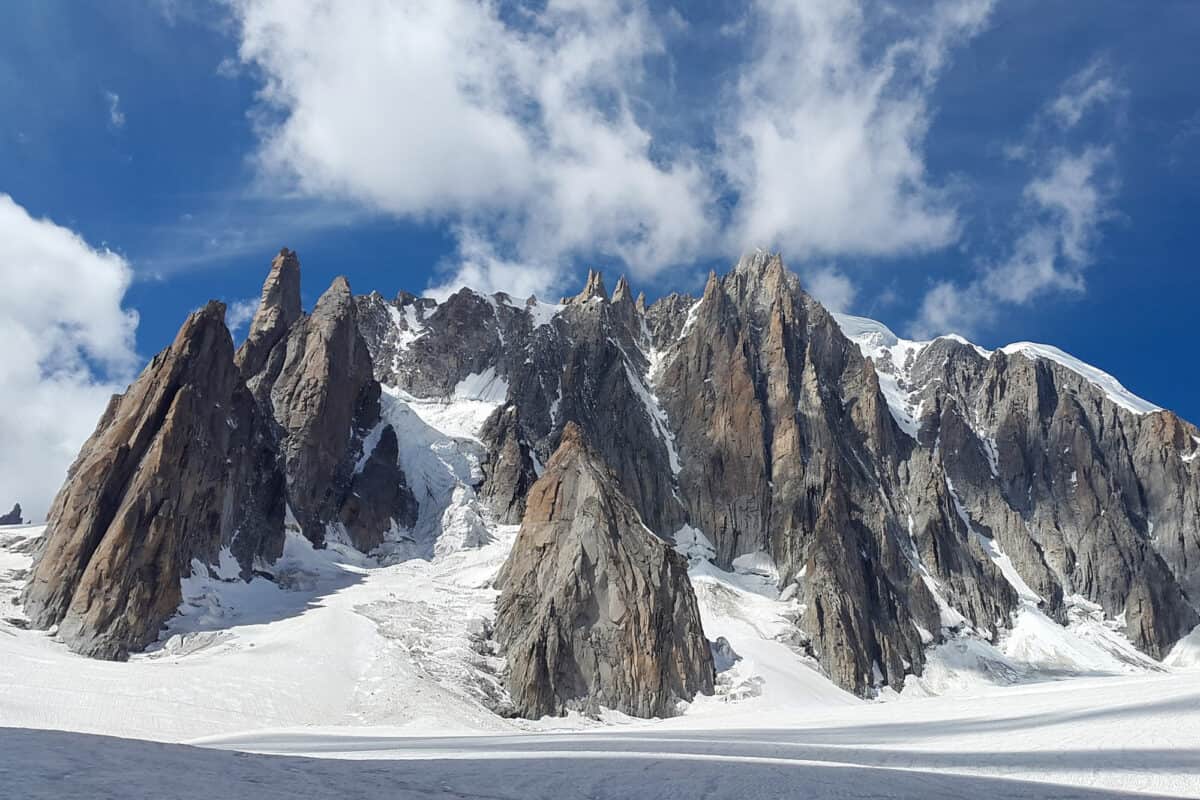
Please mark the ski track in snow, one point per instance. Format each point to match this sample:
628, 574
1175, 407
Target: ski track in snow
346, 658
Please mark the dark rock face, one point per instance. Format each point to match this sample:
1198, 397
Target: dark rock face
314, 375
750, 415
584, 361
510, 473
205, 451
1009, 481
595, 610
13, 517
180, 466
326, 401
278, 310
1072, 486
379, 496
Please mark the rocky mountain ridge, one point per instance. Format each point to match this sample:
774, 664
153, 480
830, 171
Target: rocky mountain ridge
903, 492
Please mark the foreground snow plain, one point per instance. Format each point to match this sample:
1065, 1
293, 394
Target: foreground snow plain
375, 677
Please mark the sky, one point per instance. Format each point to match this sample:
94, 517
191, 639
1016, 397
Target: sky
1005, 169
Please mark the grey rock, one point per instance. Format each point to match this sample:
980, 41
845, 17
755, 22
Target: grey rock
325, 400
379, 496
13, 517
278, 310
178, 467
724, 656
595, 610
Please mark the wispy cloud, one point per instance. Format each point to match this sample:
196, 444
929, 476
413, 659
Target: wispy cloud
239, 313
1090, 88
116, 117
1064, 206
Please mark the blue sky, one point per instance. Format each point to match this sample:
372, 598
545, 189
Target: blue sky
1012, 170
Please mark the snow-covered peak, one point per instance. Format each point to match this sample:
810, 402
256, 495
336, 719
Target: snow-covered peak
862, 330
893, 354
893, 358
1097, 377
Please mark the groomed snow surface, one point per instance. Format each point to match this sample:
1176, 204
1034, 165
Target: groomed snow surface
352, 676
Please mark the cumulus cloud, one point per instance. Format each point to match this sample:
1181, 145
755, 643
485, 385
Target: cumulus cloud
526, 127
519, 128
824, 141
68, 346
1064, 206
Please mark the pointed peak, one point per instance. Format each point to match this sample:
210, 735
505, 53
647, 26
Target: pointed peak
712, 284
212, 310
641, 302
759, 262
199, 324
280, 303
571, 441
336, 298
572, 434
622, 294
592, 289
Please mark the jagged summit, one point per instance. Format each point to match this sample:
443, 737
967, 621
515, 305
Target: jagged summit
593, 289
596, 611
12, 517
277, 311
902, 494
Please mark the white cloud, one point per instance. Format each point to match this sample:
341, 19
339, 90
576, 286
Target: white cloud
1064, 206
825, 139
1089, 88
1070, 202
68, 346
516, 122
478, 267
449, 111
239, 313
116, 117
832, 287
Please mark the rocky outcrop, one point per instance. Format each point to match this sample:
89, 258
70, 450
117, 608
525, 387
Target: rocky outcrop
379, 497
277, 312
325, 400
1071, 485
904, 493
595, 610
509, 473
179, 466
206, 451
317, 381
13, 517
748, 414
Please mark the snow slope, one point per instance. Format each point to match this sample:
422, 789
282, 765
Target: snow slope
893, 357
346, 656
1107, 383
347, 659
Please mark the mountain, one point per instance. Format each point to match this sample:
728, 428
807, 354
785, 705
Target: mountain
902, 493
595, 609
12, 517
